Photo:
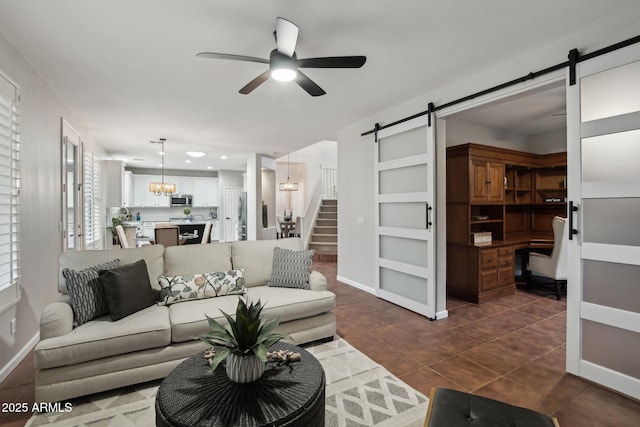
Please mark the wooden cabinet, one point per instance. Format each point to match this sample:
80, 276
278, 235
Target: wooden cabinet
518, 184
480, 274
486, 181
512, 195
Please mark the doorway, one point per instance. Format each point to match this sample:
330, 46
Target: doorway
532, 123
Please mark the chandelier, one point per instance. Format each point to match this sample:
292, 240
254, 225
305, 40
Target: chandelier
288, 186
162, 188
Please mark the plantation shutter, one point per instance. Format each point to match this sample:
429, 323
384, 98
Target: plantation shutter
9, 189
92, 202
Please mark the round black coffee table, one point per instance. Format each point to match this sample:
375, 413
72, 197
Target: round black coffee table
286, 395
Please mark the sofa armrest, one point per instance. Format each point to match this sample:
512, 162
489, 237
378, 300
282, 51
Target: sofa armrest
57, 319
317, 281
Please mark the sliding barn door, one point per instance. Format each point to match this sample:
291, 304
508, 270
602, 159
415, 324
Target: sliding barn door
603, 311
405, 233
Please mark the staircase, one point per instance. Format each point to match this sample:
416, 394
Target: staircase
325, 232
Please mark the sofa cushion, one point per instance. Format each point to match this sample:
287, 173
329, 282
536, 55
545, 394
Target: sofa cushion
87, 296
77, 260
188, 320
102, 337
190, 259
291, 269
256, 258
200, 286
290, 304
127, 289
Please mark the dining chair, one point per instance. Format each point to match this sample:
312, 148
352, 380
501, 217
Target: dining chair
297, 227
122, 237
552, 266
206, 233
280, 228
168, 236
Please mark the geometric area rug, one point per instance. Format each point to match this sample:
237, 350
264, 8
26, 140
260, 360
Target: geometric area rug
359, 393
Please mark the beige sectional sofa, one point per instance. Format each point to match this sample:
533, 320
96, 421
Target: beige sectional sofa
103, 354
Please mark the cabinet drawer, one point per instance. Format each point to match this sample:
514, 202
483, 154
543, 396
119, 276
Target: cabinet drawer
505, 261
488, 281
505, 276
488, 259
505, 252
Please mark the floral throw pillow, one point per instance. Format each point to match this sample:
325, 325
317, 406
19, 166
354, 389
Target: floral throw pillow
200, 285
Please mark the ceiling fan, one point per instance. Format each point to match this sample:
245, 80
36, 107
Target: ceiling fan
284, 64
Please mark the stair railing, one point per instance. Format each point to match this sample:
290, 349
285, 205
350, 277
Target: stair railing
311, 213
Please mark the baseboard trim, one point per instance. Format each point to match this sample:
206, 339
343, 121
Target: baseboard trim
356, 285
15, 361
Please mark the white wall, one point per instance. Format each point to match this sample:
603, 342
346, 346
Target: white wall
459, 132
40, 120
356, 244
547, 143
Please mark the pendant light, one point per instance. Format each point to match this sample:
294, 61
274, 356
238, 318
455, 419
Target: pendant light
288, 186
162, 188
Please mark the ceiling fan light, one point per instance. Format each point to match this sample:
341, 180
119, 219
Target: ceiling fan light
283, 74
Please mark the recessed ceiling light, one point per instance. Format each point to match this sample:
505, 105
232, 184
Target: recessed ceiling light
161, 153
188, 161
209, 167
196, 154
223, 157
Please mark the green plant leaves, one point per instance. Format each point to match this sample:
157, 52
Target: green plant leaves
247, 333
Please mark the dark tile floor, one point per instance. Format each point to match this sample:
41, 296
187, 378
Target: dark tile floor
511, 349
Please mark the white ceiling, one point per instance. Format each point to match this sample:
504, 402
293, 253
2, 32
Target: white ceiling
128, 71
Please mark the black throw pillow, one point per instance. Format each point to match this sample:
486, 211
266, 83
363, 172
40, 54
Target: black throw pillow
127, 289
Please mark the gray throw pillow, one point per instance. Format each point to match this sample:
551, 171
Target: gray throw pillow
291, 269
127, 289
88, 300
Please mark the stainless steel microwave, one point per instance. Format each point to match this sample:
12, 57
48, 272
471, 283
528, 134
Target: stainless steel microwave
181, 200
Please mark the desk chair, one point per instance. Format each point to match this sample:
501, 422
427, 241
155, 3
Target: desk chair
552, 266
122, 237
168, 236
206, 233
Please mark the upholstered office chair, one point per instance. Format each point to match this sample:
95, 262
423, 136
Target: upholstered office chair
552, 266
206, 233
168, 236
122, 237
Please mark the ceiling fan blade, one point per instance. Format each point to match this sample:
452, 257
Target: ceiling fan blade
232, 57
333, 62
286, 36
309, 85
249, 87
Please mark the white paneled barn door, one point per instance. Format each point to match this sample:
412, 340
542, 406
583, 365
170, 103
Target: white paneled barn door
603, 147
405, 212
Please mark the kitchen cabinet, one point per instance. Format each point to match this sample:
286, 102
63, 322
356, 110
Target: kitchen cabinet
203, 189
205, 192
127, 189
142, 197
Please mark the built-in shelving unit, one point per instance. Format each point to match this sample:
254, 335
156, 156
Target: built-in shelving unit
510, 194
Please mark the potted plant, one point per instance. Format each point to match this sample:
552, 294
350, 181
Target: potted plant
187, 212
243, 342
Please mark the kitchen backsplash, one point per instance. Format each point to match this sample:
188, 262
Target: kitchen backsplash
163, 214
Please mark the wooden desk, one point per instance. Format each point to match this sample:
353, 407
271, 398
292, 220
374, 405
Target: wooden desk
483, 273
